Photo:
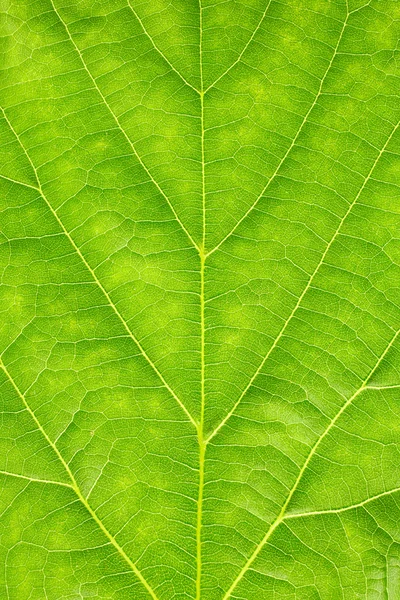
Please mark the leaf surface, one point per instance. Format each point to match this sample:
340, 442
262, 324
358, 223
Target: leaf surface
200, 297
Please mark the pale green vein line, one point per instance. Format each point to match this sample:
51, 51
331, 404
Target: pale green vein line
334, 511
313, 450
76, 488
202, 446
95, 278
159, 51
28, 185
395, 386
388, 585
300, 129
117, 121
35, 479
239, 58
307, 287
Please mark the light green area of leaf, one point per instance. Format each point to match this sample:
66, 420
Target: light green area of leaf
200, 300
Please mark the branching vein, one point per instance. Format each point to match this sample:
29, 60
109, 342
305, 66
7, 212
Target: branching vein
185, 81
307, 287
118, 123
312, 452
76, 489
95, 278
300, 129
239, 58
286, 509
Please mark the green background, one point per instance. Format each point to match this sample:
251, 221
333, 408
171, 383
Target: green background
200, 300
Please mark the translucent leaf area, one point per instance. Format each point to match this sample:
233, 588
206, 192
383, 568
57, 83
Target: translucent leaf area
200, 300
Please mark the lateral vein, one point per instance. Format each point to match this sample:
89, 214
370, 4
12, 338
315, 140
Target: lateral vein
117, 121
304, 121
239, 58
313, 450
334, 511
76, 489
35, 479
95, 278
307, 287
185, 81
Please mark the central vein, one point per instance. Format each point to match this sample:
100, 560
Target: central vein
202, 444
202, 253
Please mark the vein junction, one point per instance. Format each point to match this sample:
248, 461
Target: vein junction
203, 255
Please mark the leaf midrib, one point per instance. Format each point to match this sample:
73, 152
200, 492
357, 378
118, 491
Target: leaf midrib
203, 256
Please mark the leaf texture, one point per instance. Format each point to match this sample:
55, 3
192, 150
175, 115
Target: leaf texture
200, 297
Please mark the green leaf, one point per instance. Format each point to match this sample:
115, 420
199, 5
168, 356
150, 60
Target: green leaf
200, 300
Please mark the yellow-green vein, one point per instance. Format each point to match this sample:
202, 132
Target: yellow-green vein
118, 123
335, 511
76, 489
239, 58
293, 142
310, 455
39, 189
307, 287
35, 479
185, 81
202, 446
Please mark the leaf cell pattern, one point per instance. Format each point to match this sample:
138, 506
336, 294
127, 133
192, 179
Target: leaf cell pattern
200, 277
